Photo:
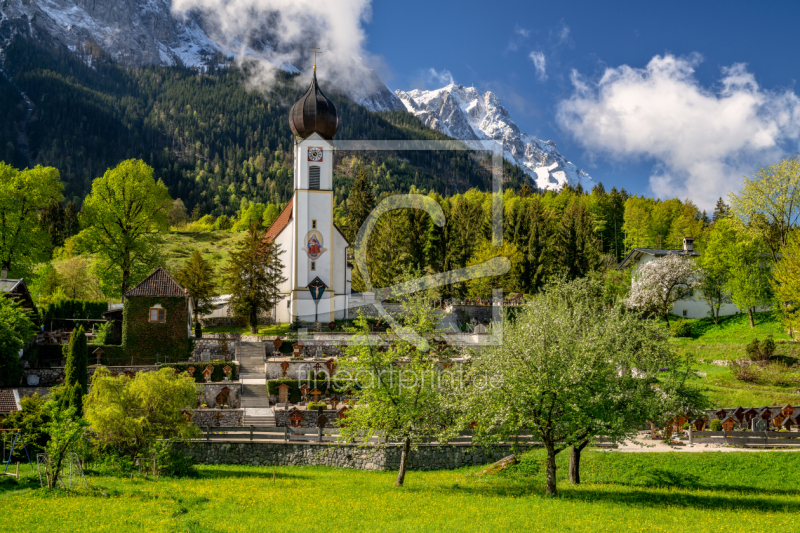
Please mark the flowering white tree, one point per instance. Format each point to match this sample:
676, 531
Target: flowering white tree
658, 284
569, 369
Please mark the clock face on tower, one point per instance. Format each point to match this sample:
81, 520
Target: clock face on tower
314, 154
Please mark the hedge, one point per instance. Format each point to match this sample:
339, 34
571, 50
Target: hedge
314, 406
216, 375
74, 309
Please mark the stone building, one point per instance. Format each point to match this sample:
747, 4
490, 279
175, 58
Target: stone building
157, 319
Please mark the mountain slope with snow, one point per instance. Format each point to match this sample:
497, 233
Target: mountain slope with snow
145, 32
463, 113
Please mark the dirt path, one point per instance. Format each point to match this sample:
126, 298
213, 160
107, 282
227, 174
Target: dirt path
643, 443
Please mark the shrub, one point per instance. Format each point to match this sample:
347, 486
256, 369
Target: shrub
743, 372
715, 425
779, 374
681, 329
761, 351
313, 406
686, 426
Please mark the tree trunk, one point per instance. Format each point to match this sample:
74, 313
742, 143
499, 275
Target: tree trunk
575, 463
254, 321
551, 474
666, 317
401, 475
750, 312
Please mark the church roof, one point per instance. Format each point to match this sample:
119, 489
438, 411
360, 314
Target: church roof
159, 283
281, 222
313, 113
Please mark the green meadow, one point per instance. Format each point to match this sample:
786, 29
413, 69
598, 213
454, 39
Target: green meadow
648, 492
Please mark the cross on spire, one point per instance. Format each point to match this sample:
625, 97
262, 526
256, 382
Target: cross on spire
316, 51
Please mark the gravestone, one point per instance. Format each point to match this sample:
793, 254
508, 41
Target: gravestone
205, 356
322, 421
227, 371
99, 353
217, 417
277, 344
283, 394
331, 366
284, 367
296, 418
190, 370
207, 375
304, 389
223, 397
33, 380
759, 424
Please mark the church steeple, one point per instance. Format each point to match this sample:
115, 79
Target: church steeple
313, 112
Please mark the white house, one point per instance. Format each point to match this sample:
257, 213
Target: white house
692, 307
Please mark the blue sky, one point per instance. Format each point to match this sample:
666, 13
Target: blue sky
489, 45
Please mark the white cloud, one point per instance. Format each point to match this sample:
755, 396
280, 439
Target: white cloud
540, 63
522, 31
439, 78
562, 34
702, 139
288, 28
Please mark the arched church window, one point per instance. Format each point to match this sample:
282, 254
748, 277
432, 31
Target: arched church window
313, 177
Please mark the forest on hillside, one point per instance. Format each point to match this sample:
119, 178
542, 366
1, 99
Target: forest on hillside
213, 143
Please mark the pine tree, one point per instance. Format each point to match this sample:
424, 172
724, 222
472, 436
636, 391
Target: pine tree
576, 242
52, 220
360, 204
197, 276
76, 371
71, 224
720, 210
253, 275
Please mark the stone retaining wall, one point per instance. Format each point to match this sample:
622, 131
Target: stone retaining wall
211, 390
426, 457
483, 314
229, 417
49, 377
310, 417
208, 349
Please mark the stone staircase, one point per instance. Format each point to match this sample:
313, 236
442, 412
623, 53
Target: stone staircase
255, 398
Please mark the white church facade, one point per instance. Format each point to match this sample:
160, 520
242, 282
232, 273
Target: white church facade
314, 249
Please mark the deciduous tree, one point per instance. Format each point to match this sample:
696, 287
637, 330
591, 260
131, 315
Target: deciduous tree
774, 194
23, 193
16, 328
658, 284
570, 368
121, 219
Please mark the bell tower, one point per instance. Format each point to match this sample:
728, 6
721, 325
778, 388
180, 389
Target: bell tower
318, 248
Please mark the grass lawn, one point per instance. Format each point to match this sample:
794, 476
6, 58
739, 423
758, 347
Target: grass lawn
274, 329
215, 246
727, 341
698, 492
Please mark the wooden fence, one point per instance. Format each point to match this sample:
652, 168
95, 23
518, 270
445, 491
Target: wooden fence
747, 439
304, 435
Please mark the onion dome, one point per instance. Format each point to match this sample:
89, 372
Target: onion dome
313, 113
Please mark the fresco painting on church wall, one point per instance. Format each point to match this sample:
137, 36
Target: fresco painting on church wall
313, 245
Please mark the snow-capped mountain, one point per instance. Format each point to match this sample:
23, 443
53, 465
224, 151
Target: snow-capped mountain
463, 113
144, 32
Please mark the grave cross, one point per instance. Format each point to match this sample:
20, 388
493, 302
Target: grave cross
316, 394
304, 391
296, 418
284, 367
217, 417
98, 352
318, 367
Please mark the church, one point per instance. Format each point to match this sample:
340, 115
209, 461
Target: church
317, 286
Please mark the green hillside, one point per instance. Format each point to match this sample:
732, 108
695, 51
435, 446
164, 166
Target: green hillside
211, 141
